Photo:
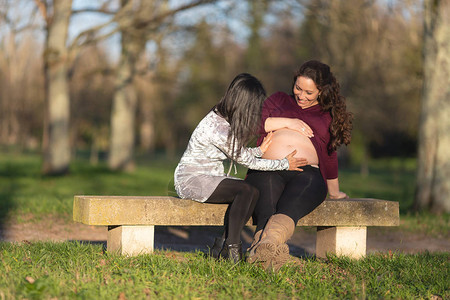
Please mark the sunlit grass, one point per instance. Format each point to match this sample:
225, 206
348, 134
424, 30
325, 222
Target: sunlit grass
71, 270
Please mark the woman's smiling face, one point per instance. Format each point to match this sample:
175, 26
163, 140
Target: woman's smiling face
305, 92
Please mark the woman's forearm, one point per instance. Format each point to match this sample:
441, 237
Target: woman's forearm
333, 189
273, 124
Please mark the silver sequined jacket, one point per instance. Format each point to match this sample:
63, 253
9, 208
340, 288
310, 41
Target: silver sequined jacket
201, 169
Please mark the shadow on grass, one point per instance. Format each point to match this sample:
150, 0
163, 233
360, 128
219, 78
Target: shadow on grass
201, 238
101, 243
8, 188
6, 205
197, 238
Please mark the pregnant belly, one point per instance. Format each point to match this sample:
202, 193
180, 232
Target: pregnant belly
284, 141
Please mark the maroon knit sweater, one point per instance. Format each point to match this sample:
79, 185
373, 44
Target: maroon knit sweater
282, 105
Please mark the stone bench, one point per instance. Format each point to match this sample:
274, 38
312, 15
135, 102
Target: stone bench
341, 224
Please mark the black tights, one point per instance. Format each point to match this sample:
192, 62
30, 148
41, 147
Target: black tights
292, 193
242, 198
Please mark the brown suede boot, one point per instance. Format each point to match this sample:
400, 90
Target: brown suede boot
278, 260
251, 249
272, 249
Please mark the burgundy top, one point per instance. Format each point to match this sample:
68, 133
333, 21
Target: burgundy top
282, 105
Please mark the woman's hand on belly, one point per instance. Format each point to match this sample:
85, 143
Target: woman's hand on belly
284, 141
295, 163
266, 142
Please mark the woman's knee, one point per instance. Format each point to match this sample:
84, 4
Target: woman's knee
249, 191
299, 208
259, 179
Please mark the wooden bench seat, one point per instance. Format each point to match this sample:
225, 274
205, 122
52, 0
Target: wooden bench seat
341, 224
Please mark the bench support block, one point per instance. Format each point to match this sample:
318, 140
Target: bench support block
130, 240
342, 241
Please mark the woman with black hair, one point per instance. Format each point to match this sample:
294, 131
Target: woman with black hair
223, 134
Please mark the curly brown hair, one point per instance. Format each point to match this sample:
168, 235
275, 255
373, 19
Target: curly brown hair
330, 100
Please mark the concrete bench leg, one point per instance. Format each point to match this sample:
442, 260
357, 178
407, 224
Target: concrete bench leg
130, 240
346, 241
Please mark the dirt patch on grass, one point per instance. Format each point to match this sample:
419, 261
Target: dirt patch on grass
51, 229
197, 238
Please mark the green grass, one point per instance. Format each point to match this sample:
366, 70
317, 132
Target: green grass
84, 271
25, 193
388, 179
71, 270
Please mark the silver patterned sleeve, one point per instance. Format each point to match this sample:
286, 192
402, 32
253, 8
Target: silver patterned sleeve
256, 151
247, 157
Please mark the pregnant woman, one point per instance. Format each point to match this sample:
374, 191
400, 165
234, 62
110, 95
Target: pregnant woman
314, 122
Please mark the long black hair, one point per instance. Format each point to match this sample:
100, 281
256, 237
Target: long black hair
241, 107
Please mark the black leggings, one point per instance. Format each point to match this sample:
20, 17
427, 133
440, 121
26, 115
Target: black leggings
292, 193
242, 198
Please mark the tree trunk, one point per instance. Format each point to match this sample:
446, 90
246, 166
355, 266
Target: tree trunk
56, 148
433, 177
123, 115
145, 17
122, 119
147, 127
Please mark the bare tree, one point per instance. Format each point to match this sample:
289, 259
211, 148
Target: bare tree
144, 20
19, 62
56, 145
433, 176
125, 97
91, 90
136, 20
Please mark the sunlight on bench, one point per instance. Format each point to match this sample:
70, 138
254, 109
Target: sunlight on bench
341, 224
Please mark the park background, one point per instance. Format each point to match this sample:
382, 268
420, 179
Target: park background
100, 97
